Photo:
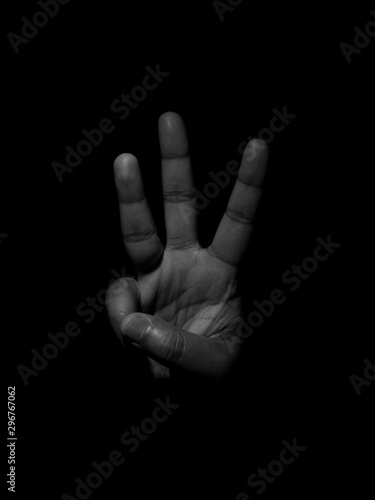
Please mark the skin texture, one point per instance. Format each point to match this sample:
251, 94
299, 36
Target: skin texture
183, 309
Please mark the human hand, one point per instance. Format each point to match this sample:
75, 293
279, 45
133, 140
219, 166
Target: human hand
183, 310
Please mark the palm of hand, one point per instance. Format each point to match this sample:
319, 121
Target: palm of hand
192, 290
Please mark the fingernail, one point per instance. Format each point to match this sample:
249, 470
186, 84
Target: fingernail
136, 328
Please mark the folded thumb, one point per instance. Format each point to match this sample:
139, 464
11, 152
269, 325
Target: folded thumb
175, 347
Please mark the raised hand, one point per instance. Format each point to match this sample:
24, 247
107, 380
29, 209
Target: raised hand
183, 310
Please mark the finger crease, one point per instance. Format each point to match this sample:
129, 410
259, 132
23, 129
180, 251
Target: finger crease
179, 196
176, 353
139, 236
215, 254
130, 202
239, 217
253, 184
176, 244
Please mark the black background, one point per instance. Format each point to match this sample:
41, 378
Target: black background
64, 239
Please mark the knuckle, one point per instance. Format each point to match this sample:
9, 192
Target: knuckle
173, 347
